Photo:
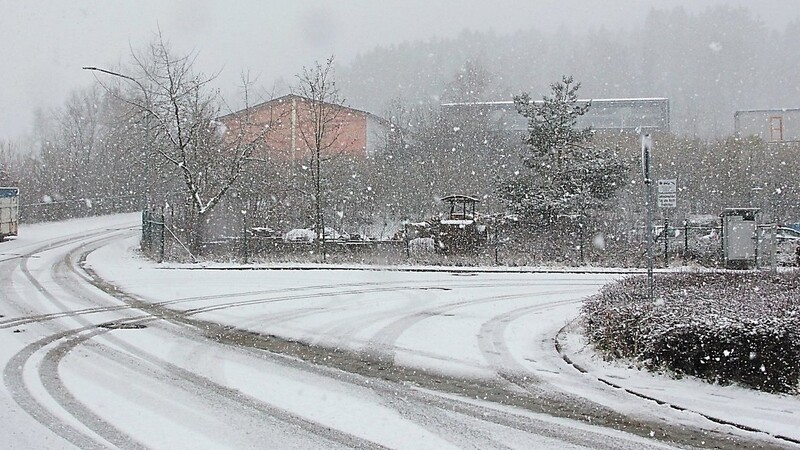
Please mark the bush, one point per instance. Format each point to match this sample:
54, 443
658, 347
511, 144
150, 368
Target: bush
722, 327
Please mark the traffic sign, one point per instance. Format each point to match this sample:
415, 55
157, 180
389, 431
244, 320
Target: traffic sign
647, 145
667, 193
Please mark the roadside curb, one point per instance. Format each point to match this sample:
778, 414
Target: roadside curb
570, 361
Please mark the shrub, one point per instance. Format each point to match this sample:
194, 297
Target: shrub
722, 327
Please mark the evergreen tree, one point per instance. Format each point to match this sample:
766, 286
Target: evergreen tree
567, 175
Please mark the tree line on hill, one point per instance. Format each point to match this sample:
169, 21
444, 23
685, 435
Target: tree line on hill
709, 64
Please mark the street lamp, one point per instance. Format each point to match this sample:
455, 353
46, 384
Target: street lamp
148, 112
647, 145
120, 75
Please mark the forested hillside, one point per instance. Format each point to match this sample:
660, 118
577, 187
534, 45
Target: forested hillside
709, 65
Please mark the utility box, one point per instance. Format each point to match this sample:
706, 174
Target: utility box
9, 211
740, 237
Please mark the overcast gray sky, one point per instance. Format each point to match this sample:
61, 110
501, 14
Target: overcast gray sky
43, 44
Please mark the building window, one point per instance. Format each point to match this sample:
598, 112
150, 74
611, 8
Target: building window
775, 128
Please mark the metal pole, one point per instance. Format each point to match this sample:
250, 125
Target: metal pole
666, 242
685, 239
163, 243
773, 248
145, 220
647, 143
245, 249
580, 236
496, 243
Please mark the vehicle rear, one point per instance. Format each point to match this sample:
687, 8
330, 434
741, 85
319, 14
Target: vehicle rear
9, 212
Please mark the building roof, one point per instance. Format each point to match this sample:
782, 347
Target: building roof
460, 198
287, 97
773, 110
651, 113
504, 103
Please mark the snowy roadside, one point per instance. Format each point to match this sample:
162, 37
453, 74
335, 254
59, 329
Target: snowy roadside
208, 265
776, 414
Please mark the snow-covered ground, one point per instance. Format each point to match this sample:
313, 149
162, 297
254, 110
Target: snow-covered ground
173, 383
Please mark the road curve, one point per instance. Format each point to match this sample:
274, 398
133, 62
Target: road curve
90, 365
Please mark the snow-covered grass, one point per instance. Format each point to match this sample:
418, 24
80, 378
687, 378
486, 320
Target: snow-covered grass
723, 327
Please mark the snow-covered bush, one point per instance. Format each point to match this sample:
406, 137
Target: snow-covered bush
722, 327
424, 245
299, 235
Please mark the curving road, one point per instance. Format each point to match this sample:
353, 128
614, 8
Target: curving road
103, 350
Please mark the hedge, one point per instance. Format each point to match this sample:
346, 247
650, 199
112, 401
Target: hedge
724, 327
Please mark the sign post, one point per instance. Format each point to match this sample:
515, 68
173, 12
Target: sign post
667, 198
647, 145
667, 193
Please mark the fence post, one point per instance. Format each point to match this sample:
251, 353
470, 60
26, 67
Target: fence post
581, 237
162, 237
496, 245
406, 241
685, 239
245, 249
145, 224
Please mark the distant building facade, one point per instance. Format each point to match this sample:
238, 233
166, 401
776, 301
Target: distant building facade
771, 125
352, 132
622, 114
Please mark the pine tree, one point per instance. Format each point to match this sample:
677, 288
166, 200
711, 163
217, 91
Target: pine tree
568, 176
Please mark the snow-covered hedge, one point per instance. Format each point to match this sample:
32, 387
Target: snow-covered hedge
722, 327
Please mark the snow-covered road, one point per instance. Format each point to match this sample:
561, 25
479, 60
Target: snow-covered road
104, 349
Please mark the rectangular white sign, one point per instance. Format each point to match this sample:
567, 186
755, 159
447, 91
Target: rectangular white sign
667, 201
667, 193
668, 185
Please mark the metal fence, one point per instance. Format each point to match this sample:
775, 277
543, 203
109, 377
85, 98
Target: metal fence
160, 238
686, 244
153, 234
52, 210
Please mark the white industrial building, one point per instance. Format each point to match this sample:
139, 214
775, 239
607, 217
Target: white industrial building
771, 125
617, 114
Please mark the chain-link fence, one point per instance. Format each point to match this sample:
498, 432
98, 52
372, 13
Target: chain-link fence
51, 209
774, 251
688, 244
160, 238
153, 234
674, 245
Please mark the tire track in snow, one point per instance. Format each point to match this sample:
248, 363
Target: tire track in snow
492, 343
162, 371
483, 412
21, 259
60, 241
191, 380
384, 342
14, 379
361, 291
59, 272
356, 289
14, 371
48, 371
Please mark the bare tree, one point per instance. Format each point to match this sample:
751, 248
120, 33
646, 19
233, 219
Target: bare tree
196, 152
8, 169
320, 131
